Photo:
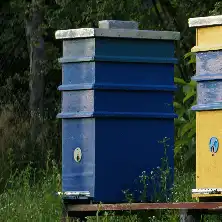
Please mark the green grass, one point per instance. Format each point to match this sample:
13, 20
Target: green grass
25, 199
29, 199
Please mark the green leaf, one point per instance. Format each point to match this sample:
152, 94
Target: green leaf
179, 144
189, 54
192, 60
192, 132
179, 81
189, 95
187, 127
177, 105
192, 83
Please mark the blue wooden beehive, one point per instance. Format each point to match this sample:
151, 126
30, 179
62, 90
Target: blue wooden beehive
117, 104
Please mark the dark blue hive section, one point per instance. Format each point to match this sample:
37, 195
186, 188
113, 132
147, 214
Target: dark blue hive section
117, 104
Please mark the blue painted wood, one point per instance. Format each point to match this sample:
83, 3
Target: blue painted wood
134, 48
118, 59
206, 77
116, 112
209, 92
128, 115
111, 86
80, 73
115, 101
133, 146
209, 62
118, 47
118, 73
209, 80
205, 107
104, 49
78, 133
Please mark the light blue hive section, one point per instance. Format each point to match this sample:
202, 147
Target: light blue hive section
75, 133
209, 80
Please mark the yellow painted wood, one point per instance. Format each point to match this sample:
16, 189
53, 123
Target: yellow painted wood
208, 39
208, 167
209, 36
206, 48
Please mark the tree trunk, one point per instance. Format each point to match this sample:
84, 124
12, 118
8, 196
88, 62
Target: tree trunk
36, 46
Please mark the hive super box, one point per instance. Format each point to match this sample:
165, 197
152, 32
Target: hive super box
117, 104
208, 51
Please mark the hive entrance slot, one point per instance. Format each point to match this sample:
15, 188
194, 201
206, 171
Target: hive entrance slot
214, 145
77, 155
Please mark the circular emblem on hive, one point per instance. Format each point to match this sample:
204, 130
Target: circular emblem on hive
213, 144
77, 154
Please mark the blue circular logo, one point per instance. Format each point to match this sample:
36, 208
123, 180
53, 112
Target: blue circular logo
213, 144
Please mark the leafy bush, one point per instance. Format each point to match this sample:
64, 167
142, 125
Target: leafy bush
185, 124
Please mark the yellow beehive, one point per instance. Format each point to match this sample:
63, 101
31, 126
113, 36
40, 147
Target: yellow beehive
208, 51
208, 33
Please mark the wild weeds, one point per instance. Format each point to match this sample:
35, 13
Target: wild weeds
26, 199
16, 150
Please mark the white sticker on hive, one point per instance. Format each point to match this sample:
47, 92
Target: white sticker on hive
77, 154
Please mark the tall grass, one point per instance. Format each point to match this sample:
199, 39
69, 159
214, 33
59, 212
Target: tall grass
28, 198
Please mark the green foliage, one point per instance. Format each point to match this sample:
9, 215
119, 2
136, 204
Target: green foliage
191, 57
217, 9
28, 199
185, 124
30, 196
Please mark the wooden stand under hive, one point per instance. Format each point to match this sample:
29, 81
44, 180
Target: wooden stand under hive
208, 51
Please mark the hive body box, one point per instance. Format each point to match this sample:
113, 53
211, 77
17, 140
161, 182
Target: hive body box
208, 51
117, 103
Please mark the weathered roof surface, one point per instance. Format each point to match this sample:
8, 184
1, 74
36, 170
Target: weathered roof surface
116, 29
116, 33
116, 24
205, 21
